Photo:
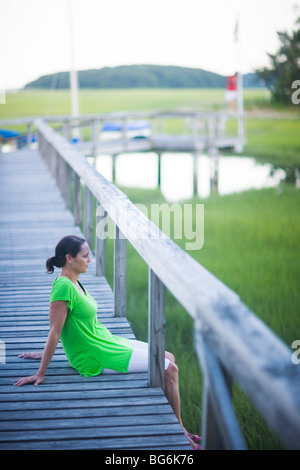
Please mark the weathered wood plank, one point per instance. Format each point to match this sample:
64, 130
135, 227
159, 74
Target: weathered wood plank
94, 432
39, 395
88, 422
75, 380
84, 402
134, 442
79, 386
31, 416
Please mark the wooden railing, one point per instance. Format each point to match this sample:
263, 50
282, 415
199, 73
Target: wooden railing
230, 341
199, 130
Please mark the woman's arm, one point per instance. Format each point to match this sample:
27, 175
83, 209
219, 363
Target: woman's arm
57, 314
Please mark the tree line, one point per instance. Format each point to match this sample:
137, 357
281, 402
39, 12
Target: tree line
282, 76
140, 76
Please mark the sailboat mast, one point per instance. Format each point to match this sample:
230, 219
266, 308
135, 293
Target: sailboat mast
73, 71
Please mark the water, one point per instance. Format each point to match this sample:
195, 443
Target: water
140, 170
236, 174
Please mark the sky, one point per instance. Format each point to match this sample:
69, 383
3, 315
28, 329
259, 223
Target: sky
35, 35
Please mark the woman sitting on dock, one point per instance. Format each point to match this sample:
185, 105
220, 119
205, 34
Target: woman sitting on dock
89, 346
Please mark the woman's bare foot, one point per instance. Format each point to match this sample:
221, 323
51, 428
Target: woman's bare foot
191, 441
195, 437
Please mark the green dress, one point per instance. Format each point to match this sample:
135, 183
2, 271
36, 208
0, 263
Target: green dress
89, 345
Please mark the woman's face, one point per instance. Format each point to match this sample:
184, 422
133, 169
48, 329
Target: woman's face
80, 262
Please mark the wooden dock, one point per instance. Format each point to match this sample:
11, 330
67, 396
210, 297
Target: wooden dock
67, 411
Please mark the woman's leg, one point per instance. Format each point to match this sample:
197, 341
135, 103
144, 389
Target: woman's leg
140, 360
173, 396
139, 363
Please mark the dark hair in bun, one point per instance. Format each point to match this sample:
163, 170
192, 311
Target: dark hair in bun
71, 244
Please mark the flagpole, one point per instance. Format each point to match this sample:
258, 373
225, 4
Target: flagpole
240, 97
73, 72
240, 104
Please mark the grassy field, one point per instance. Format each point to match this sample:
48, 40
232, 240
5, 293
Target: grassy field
251, 239
44, 102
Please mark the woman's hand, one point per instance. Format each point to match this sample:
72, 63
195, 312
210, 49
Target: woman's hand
32, 379
58, 314
35, 379
31, 355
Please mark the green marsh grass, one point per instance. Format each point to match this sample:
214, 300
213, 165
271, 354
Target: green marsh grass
251, 244
274, 141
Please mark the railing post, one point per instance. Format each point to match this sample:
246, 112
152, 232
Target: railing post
29, 134
56, 167
68, 192
63, 180
67, 130
159, 170
100, 241
88, 216
156, 330
113, 171
52, 158
195, 130
60, 173
211, 436
120, 273
160, 125
77, 200
220, 429
153, 128
195, 173
125, 132
95, 136
213, 154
